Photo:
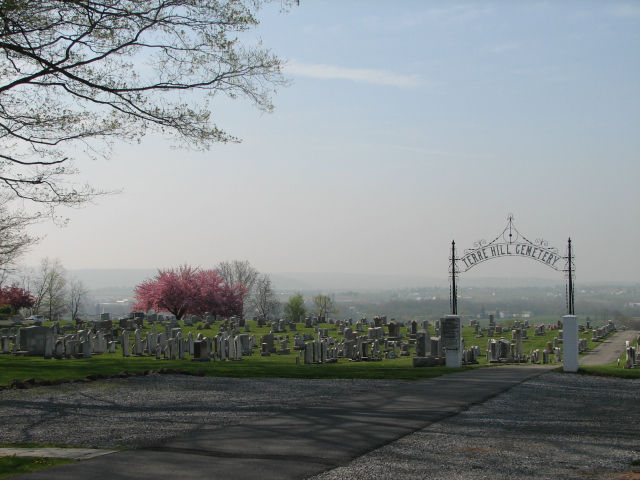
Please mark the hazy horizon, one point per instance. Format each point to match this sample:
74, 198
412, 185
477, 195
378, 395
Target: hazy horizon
408, 125
96, 279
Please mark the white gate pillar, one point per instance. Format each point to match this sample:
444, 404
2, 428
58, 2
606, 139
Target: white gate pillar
570, 343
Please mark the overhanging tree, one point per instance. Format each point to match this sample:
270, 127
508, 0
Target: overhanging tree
73, 72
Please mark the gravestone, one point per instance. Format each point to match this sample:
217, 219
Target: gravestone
269, 340
394, 330
126, 351
33, 339
423, 343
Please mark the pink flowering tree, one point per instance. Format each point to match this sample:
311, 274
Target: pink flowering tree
216, 296
189, 290
172, 290
16, 298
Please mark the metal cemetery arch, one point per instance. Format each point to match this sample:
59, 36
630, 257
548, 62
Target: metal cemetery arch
511, 243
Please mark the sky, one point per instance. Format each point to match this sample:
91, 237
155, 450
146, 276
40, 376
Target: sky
407, 125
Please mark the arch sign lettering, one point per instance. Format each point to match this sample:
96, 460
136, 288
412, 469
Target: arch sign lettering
510, 243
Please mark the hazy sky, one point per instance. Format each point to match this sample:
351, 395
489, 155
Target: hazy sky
408, 124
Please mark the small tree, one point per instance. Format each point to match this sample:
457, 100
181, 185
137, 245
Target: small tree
295, 308
240, 272
50, 289
324, 305
264, 299
76, 295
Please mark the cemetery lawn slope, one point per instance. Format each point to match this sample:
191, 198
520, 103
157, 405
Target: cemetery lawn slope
20, 368
254, 366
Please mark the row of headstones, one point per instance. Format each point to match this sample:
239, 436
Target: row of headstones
503, 350
361, 324
538, 356
42, 341
599, 333
174, 346
326, 350
491, 331
169, 344
361, 349
356, 348
345, 348
513, 351
544, 356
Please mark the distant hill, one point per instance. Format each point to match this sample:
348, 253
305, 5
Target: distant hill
123, 281
113, 279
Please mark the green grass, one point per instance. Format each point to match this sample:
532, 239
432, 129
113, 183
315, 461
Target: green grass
611, 370
280, 366
11, 466
275, 366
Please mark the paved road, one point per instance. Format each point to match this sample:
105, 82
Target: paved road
610, 349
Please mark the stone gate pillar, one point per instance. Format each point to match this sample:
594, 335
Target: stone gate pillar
451, 336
